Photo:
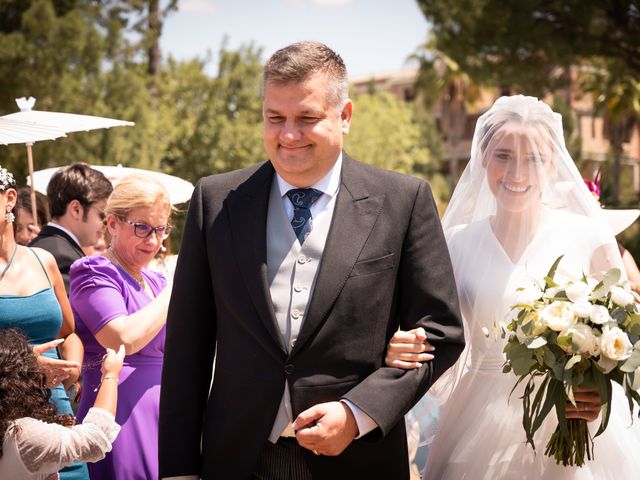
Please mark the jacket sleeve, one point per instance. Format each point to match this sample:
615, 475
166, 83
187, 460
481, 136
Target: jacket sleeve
189, 349
426, 297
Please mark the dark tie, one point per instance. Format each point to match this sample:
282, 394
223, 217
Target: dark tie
302, 199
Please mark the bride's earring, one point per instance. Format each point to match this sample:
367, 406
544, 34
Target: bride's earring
10, 217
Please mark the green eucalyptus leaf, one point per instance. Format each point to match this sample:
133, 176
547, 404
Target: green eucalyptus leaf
536, 342
552, 272
573, 361
632, 363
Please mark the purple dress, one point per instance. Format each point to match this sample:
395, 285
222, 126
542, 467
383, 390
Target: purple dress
99, 292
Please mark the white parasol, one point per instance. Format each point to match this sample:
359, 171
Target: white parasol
180, 190
63, 122
14, 131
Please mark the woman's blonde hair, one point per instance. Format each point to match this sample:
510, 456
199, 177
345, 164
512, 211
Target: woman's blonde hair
137, 191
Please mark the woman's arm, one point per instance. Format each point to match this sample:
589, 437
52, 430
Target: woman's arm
136, 330
408, 349
630, 268
71, 349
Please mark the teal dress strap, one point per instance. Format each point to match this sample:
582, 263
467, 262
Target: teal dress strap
42, 265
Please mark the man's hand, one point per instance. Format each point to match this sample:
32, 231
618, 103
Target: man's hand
587, 407
326, 428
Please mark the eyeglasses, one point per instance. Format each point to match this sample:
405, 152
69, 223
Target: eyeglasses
142, 230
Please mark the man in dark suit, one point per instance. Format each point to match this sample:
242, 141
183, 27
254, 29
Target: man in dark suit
77, 197
293, 274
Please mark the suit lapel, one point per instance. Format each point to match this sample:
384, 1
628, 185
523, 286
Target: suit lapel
354, 216
248, 208
50, 230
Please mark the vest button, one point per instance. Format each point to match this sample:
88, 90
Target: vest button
297, 288
289, 368
302, 259
295, 313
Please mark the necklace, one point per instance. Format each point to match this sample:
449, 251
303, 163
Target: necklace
8, 264
111, 255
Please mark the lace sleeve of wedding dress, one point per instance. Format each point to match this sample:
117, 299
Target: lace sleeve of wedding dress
47, 447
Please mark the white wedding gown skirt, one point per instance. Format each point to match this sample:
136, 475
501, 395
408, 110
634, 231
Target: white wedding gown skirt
480, 434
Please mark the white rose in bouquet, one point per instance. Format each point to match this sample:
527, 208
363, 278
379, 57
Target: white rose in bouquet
615, 344
530, 328
528, 295
583, 340
551, 292
558, 315
583, 309
621, 296
600, 315
578, 292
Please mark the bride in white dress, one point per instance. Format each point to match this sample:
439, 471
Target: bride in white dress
519, 205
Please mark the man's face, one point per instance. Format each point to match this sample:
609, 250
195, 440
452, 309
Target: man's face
91, 228
303, 130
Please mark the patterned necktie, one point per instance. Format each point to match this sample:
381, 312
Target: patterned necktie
302, 199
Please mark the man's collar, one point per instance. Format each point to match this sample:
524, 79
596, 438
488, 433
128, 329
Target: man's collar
65, 230
328, 184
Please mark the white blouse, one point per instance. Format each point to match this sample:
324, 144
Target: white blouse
33, 449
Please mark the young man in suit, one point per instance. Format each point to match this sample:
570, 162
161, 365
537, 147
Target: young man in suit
77, 197
293, 274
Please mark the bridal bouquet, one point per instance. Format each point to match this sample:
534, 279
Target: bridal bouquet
581, 333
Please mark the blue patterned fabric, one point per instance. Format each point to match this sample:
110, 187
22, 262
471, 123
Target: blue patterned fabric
302, 199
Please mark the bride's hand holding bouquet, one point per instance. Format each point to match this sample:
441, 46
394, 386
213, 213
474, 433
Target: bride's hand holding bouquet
568, 342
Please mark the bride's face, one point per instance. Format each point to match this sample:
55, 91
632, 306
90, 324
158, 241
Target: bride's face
517, 160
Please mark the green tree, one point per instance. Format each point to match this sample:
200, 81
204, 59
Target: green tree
530, 45
445, 89
218, 120
616, 95
383, 133
522, 43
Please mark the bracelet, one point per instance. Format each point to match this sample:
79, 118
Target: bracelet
106, 378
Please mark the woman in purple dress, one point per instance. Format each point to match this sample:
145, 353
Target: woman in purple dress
115, 300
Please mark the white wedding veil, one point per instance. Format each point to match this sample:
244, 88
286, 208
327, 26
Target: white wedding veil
519, 204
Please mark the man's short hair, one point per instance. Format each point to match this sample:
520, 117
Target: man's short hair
298, 62
76, 182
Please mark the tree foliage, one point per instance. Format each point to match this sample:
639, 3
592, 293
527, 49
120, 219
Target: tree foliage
522, 43
92, 58
529, 46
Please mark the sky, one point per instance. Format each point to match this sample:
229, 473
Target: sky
372, 36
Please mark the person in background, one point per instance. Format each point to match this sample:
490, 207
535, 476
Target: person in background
77, 198
36, 440
629, 263
98, 249
117, 300
33, 299
164, 261
25, 227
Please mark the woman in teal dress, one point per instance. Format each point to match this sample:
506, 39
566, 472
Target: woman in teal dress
33, 299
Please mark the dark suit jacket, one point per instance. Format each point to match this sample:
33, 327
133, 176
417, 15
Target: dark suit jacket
61, 246
385, 266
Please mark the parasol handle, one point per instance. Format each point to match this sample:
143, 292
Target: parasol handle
34, 210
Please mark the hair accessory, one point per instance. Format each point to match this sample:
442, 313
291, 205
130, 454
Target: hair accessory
6, 179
